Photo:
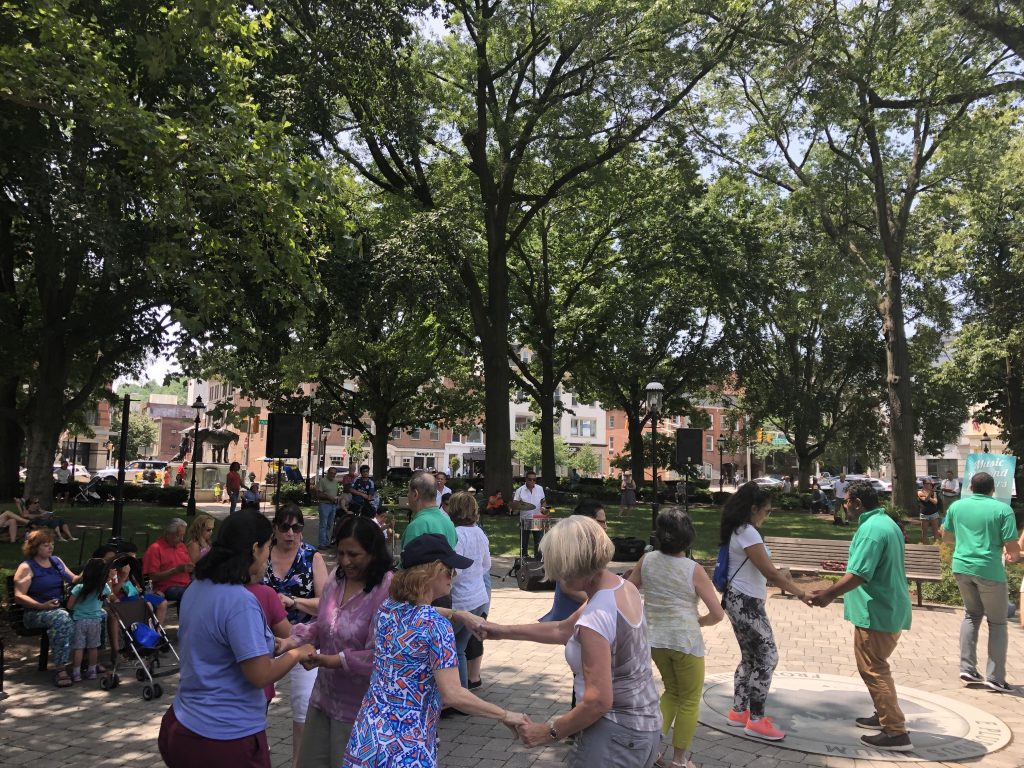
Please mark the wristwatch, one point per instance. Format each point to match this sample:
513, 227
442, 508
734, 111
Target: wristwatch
551, 730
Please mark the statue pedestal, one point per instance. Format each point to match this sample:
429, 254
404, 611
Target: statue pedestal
207, 476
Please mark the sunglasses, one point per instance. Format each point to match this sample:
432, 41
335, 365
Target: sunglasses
294, 528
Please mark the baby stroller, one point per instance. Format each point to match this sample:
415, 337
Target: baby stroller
142, 640
90, 494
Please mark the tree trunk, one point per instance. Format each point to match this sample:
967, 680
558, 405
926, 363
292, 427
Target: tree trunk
12, 440
1014, 421
804, 463
901, 409
498, 457
379, 443
42, 435
548, 470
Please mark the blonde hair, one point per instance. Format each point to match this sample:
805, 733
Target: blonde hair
35, 540
195, 529
462, 508
410, 584
575, 547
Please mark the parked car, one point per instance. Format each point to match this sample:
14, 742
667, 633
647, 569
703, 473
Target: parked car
880, 485
767, 482
138, 471
80, 475
933, 478
398, 475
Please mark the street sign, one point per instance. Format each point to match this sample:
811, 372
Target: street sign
264, 422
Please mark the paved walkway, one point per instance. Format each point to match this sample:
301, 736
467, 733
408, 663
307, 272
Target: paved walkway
43, 726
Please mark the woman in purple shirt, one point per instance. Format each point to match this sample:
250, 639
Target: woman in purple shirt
343, 630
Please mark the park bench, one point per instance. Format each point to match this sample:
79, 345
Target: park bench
14, 613
829, 557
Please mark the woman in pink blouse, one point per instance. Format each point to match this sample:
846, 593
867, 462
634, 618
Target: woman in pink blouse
343, 631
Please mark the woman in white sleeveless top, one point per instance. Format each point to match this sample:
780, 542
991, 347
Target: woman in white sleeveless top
672, 583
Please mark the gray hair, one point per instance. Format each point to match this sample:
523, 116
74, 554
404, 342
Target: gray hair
175, 524
424, 484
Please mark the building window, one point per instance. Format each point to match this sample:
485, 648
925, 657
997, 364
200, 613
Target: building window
430, 462
414, 434
611, 443
417, 462
522, 422
406, 462
709, 443
611, 421
395, 434
524, 356
723, 422
583, 427
334, 461
476, 435
347, 431
435, 434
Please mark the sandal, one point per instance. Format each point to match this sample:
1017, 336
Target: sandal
62, 679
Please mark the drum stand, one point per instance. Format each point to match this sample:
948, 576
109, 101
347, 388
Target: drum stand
518, 562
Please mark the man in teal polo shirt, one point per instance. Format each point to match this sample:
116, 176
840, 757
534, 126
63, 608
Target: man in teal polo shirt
877, 603
427, 516
982, 529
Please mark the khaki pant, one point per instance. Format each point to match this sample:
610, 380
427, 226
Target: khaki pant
872, 651
323, 740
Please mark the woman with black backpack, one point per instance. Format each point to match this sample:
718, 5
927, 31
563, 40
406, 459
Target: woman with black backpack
749, 570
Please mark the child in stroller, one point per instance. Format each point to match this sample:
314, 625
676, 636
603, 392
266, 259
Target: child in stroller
136, 629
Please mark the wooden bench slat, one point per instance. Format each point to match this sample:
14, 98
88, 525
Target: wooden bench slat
921, 561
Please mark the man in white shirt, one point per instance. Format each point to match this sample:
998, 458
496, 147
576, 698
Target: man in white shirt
442, 488
949, 489
839, 488
63, 481
533, 494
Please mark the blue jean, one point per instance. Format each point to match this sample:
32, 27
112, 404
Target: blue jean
326, 510
462, 636
173, 594
60, 628
233, 498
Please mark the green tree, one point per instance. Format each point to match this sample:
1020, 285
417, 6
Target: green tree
483, 126
527, 449
174, 387
808, 359
137, 177
142, 434
847, 109
585, 460
983, 246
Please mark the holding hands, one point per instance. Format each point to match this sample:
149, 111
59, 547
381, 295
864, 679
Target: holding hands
818, 598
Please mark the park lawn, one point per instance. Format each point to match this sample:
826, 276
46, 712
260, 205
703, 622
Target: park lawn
503, 532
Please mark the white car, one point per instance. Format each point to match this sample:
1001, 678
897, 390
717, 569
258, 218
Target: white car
138, 471
80, 475
880, 485
767, 482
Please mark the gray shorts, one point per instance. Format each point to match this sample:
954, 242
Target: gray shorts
933, 516
87, 634
611, 745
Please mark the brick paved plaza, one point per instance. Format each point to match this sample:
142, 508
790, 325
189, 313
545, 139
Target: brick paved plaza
43, 726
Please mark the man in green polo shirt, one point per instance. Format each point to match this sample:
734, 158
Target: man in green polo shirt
982, 529
427, 516
877, 603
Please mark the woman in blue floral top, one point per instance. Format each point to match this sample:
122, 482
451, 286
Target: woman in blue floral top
297, 572
415, 666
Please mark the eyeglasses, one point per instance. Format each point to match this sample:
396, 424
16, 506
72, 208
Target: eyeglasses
294, 527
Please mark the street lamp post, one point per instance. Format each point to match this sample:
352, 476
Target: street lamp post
655, 393
199, 407
986, 442
325, 432
721, 454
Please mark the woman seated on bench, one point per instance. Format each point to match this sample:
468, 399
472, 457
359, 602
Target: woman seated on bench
39, 589
10, 520
40, 518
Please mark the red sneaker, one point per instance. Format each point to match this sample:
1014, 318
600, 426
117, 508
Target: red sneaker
763, 728
738, 719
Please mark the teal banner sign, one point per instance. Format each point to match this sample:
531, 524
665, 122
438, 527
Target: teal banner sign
1000, 466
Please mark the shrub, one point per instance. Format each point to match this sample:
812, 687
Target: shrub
701, 496
171, 496
292, 492
720, 497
